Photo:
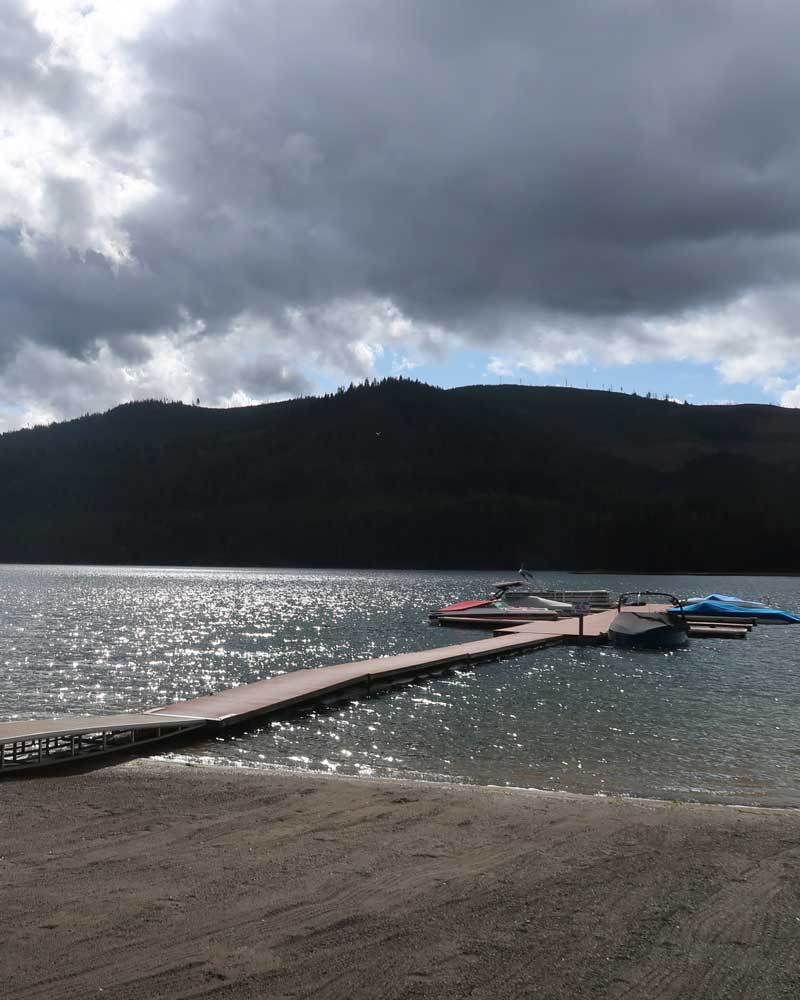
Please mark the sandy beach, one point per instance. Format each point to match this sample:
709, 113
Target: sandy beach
149, 879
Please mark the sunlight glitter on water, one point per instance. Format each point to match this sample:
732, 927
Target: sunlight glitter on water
719, 720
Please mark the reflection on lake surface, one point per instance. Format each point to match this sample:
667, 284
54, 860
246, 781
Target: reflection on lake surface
717, 721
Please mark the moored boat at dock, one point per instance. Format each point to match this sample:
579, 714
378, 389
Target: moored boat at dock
519, 600
714, 606
641, 626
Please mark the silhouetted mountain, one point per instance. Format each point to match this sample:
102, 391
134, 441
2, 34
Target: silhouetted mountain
404, 474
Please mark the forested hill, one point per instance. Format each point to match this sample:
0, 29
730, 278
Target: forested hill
401, 474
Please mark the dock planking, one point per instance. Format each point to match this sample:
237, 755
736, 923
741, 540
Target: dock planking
592, 626
37, 743
74, 725
236, 705
716, 632
34, 743
488, 623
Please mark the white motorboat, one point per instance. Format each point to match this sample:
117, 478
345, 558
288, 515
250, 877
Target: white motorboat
518, 600
515, 594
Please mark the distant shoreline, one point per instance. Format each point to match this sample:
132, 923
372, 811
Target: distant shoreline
401, 569
398, 474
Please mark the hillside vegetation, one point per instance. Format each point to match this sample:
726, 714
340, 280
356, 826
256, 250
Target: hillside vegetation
402, 474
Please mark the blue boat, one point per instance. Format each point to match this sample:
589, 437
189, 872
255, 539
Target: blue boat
714, 608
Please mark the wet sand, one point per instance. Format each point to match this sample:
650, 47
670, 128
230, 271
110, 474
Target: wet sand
148, 880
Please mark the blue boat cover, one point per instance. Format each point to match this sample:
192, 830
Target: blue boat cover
727, 599
728, 610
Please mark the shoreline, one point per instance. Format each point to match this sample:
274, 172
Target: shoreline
281, 769
161, 879
786, 574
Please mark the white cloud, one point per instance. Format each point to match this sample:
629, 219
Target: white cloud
404, 364
791, 397
42, 384
499, 368
222, 200
253, 360
348, 336
753, 339
57, 182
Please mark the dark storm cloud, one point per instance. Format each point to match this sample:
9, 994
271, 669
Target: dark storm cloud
66, 300
472, 162
463, 159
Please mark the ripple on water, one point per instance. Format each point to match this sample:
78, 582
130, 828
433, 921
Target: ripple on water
718, 721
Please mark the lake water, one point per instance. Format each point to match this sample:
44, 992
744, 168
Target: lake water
719, 721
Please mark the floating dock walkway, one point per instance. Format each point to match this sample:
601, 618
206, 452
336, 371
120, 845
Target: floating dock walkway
32, 744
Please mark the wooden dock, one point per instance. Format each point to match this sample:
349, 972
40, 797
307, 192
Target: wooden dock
301, 687
595, 626
32, 744
37, 743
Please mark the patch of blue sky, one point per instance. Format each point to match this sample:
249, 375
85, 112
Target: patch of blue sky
693, 382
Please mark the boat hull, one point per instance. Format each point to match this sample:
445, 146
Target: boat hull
642, 629
666, 638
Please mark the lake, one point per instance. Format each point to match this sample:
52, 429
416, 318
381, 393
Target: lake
719, 721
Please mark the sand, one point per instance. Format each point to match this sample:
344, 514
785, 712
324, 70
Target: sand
147, 880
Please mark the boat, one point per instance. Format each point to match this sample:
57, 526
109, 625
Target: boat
493, 612
750, 610
740, 602
516, 601
595, 598
516, 594
639, 625
511, 601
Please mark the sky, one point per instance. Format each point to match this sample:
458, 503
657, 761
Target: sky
240, 201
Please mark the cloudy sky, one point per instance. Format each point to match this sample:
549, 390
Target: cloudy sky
245, 200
